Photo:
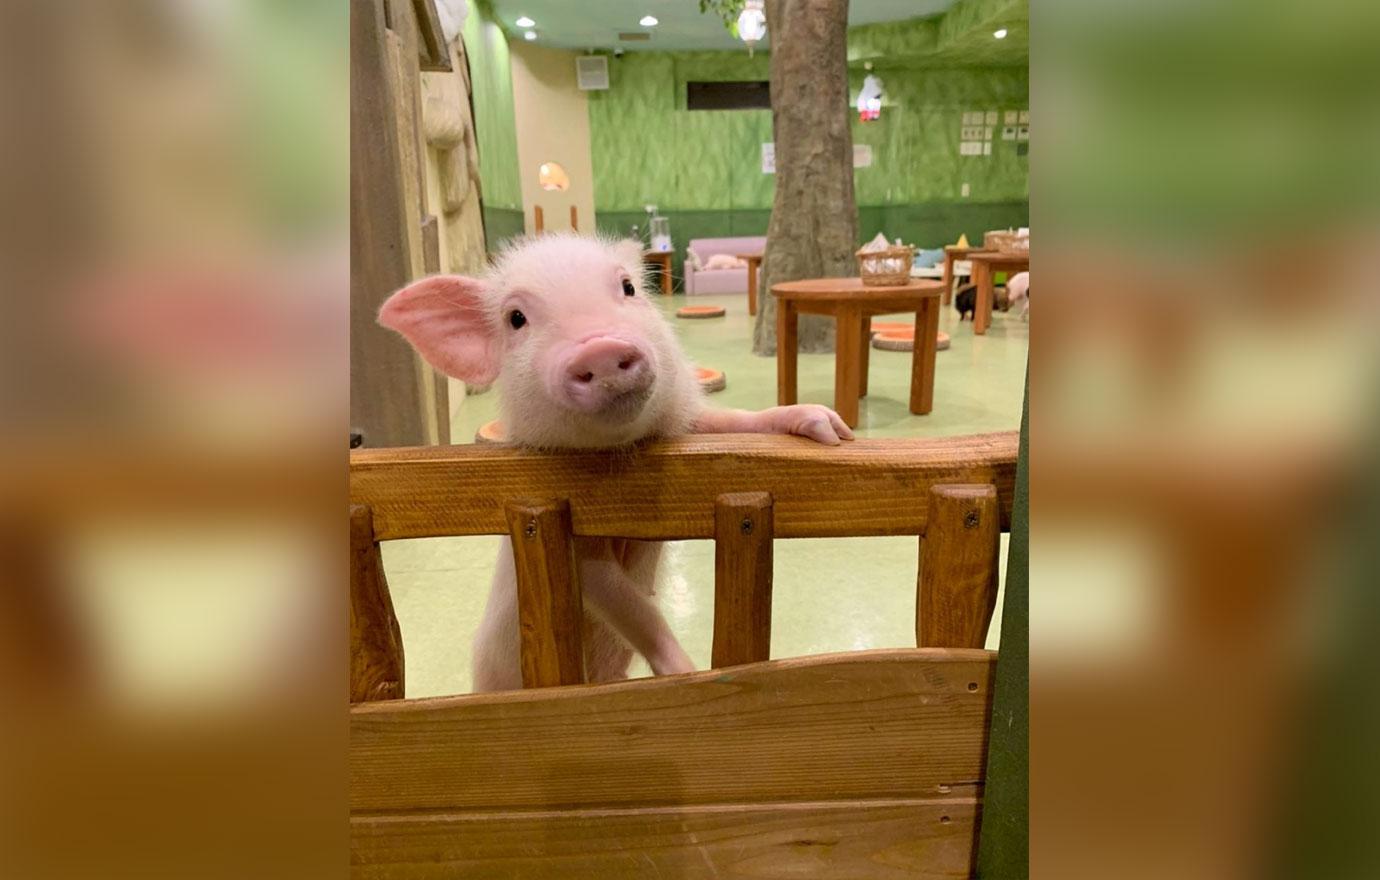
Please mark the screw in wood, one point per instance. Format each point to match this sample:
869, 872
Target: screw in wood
970, 519
747, 525
531, 530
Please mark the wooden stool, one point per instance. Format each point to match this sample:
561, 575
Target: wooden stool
700, 312
852, 305
490, 432
711, 380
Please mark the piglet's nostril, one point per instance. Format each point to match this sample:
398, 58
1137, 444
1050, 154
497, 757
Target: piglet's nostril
585, 377
626, 362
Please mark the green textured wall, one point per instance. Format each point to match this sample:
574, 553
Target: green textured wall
647, 148
703, 169
492, 82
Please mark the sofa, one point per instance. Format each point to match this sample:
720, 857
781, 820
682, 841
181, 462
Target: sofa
709, 281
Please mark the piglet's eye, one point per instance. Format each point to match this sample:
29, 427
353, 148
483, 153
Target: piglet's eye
628, 289
517, 319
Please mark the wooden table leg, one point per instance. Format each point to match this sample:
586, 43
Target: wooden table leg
752, 288
922, 358
847, 360
948, 277
864, 354
982, 277
785, 352
666, 275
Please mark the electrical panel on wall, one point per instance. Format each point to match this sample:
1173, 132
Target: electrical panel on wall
592, 72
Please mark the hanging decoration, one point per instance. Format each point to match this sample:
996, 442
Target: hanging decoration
870, 99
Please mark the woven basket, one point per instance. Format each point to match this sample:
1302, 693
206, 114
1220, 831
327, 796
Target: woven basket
888, 268
1006, 241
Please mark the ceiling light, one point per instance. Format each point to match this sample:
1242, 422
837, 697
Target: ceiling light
648, 21
1000, 34
530, 35
524, 22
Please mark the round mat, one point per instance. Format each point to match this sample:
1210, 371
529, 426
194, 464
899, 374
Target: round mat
711, 380
891, 327
490, 432
700, 312
904, 340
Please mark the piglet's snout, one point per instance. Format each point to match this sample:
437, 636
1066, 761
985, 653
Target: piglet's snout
604, 372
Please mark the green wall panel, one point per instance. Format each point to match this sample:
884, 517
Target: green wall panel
492, 82
501, 224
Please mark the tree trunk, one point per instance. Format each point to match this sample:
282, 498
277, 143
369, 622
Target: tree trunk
814, 221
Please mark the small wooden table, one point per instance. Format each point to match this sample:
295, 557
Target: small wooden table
852, 306
953, 252
985, 264
663, 260
754, 262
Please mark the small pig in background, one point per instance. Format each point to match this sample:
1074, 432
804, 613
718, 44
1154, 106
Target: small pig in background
583, 361
1018, 288
965, 301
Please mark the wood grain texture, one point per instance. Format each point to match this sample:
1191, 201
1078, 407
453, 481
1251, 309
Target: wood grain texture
550, 607
847, 363
864, 354
868, 724
376, 649
865, 725
432, 52
386, 399
922, 359
860, 840
854, 289
787, 353
667, 490
743, 533
958, 567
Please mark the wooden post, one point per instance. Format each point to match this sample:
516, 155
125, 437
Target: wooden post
537, 222
376, 650
743, 530
958, 567
550, 607
574, 219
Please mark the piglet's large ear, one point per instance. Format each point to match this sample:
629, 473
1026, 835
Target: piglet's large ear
445, 320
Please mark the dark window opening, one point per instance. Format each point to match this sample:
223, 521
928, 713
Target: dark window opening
738, 95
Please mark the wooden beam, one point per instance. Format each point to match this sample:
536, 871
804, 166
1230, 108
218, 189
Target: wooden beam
574, 219
550, 609
878, 840
386, 398
869, 725
433, 54
743, 532
376, 650
667, 490
957, 590
537, 222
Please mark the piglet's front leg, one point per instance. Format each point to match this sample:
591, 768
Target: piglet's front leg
819, 423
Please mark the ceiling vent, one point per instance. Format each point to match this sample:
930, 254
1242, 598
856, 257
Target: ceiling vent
592, 72
635, 37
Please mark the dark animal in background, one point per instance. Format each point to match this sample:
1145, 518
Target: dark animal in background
966, 302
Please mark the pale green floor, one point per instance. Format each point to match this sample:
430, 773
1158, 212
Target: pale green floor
834, 594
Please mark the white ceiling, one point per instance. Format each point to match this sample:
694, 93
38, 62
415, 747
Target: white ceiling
595, 24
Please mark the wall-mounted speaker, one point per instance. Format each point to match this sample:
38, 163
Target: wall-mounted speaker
592, 72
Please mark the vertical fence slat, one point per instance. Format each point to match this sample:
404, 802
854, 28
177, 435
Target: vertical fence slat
550, 607
957, 590
743, 529
376, 649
